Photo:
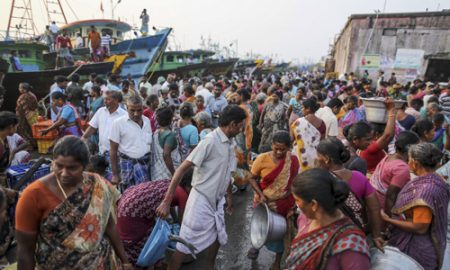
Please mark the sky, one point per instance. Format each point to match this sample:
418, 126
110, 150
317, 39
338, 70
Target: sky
285, 30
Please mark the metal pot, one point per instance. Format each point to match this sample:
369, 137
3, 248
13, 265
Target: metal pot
266, 226
376, 110
392, 259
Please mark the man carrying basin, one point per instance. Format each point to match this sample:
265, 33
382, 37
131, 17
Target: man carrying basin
213, 160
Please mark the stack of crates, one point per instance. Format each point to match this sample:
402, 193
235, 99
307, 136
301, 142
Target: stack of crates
44, 142
14, 173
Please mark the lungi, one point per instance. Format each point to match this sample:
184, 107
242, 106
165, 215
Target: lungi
134, 170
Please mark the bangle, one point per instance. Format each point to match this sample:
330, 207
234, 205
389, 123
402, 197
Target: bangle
391, 115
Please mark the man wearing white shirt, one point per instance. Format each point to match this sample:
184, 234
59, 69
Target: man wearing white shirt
328, 115
102, 122
130, 144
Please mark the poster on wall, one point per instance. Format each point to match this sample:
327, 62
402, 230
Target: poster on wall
370, 61
409, 59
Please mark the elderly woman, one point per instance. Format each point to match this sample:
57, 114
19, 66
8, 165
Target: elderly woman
326, 238
272, 176
68, 119
63, 220
420, 221
204, 123
27, 111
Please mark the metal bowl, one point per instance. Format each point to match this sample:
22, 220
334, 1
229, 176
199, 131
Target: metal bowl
376, 110
392, 259
266, 226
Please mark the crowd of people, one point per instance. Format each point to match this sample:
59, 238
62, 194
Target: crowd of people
301, 141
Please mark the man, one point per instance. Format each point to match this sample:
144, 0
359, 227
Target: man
328, 115
148, 86
130, 144
214, 160
144, 22
444, 101
218, 104
48, 35
102, 122
54, 29
105, 42
63, 47
60, 86
114, 82
94, 44
87, 86
15, 61
173, 99
79, 43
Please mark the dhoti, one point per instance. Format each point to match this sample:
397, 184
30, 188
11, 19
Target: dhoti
202, 224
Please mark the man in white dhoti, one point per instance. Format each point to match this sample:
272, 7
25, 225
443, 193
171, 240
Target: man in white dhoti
214, 159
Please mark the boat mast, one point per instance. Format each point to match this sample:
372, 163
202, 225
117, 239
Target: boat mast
23, 24
10, 18
51, 6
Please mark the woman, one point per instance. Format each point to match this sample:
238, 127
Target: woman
200, 104
420, 224
392, 173
63, 220
425, 129
165, 154
307, 132
361, 205
275, 170
353, 115
27, 111
97, 100
152, 103
295, 110
404, 119
326, 238
137, 211
204, 124
273, 118
187, 133
8, 245
8, 127
68, 119
358, 136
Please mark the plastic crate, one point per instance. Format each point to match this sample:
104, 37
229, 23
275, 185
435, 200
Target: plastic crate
44, 146
14, 173
36, 128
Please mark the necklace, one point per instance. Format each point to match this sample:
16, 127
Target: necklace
61, 188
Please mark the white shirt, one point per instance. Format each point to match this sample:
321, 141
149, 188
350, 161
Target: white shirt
79, 43
54, 28
134, 141
330, 120
88, 86
102, 121
149, 88
214, 161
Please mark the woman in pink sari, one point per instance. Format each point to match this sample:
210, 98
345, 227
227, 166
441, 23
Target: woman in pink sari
276, 170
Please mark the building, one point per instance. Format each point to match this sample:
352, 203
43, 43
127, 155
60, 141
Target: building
413, 45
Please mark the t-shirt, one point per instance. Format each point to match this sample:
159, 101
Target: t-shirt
408, 122
68, 114
263, 165
189, 134
95, 39
373, 155
35, 203
64, 42
105, 40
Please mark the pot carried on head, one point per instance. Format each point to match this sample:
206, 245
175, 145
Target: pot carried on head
376, 110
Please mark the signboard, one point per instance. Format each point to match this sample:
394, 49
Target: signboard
409, 59
370, 61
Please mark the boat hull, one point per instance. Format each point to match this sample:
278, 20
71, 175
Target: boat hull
42, 80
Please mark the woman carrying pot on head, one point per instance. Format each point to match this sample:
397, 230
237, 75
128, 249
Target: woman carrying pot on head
63, 220
275, 170
326, 238
361, 205
420, 221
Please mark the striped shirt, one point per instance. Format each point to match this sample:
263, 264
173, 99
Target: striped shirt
106, 39
444, 101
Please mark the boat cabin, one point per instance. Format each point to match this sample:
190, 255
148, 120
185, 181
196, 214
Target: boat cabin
29, 53
116, 29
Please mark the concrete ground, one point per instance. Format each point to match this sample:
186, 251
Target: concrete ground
233, 256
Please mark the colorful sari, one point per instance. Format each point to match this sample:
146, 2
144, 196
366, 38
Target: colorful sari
27, 111
432, 192
73, 128
307, 138
312, 250
72, 235
276, 185
243, 148
351, 117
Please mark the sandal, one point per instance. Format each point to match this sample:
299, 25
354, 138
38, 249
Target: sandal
253, 253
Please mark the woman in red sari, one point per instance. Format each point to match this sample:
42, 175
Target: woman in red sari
276, 170
326, 238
